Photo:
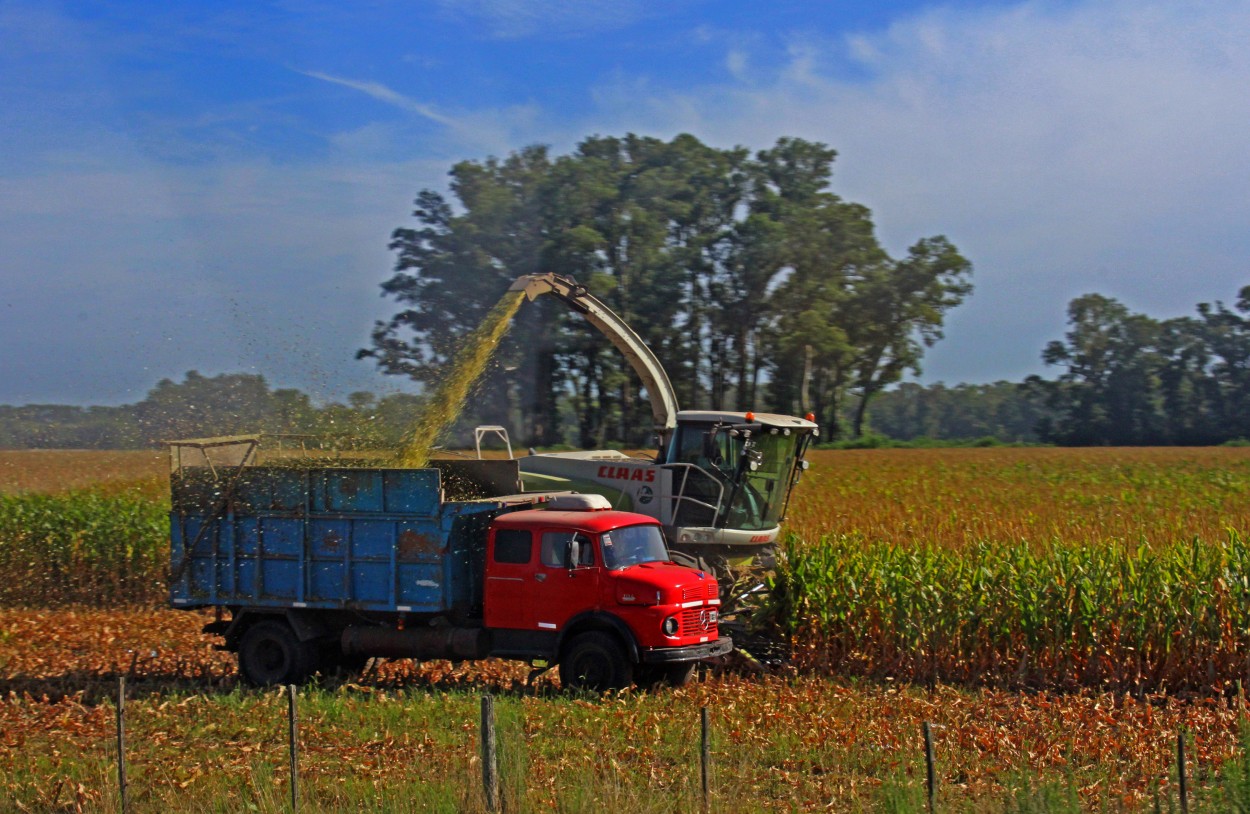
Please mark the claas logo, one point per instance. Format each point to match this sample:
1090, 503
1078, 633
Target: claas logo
627, 473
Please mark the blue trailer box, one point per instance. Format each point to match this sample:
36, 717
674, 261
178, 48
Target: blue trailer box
368, 539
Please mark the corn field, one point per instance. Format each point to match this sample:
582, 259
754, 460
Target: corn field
1036, 568
83, 547
1174, 618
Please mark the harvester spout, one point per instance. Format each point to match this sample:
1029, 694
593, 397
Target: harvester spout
639, 356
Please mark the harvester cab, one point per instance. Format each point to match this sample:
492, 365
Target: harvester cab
749, 462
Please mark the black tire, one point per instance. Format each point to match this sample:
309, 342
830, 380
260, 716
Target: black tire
652, 676
679, 675
595, 661
270, 654
332, 661
347, 666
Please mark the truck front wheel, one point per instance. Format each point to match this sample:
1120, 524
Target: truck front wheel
270, 654
674, 675
595, 661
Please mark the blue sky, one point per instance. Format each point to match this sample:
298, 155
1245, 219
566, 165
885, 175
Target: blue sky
212, 186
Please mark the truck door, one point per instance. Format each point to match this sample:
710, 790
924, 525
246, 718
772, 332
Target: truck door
510, 580
565, 587
529, 584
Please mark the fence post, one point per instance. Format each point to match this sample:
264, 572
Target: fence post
1180, 771
490, 761
929, 770
122, 786
293, 739
705, 758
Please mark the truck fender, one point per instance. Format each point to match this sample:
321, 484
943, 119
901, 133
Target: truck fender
598, 620
306, 624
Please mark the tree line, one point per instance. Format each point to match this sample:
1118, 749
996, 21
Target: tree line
199, 406
1124, 379
756, 286
1128, 378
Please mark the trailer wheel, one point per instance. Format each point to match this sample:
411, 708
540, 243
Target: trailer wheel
595, 661
270, 654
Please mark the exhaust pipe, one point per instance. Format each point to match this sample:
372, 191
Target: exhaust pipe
455, 643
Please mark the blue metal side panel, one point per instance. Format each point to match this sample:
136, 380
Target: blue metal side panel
279, 560
328, 539
463, 527
372, 568
282, 536
419, 565
347, 490
373, 539
411, 491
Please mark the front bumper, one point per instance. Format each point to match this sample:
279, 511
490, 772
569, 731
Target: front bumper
698, 652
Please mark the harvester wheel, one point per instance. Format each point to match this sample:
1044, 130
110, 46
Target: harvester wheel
270, 654
679, 675
595, 661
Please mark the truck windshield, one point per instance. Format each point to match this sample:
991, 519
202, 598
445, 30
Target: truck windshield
633, 545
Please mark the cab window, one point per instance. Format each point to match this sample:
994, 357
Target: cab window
513, 546
556, 545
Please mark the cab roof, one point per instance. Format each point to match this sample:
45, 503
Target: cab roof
593, 522
766, 419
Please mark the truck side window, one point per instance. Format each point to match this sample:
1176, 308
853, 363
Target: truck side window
513, 546
555, 544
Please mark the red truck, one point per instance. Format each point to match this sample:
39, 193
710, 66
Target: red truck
599, 589
320, 568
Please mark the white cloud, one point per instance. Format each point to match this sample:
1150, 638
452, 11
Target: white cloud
1065, 148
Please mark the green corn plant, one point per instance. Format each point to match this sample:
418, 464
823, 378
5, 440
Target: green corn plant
82, 547
1141, 618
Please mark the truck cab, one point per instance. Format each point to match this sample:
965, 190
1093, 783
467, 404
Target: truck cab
597, 589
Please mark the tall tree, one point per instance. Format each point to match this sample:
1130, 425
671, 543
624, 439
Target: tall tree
735, 269
1227, 336
900, 307
1108, 393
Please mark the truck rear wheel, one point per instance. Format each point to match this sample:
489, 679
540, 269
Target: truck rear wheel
595, 661
270, 654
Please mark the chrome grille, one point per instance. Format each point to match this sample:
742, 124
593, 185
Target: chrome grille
692, 624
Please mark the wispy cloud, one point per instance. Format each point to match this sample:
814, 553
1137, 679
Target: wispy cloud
488, 130
382, 93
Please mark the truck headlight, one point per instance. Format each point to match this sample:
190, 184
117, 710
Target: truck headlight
670, 626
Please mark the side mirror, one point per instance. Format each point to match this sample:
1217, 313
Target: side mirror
751, 457
573, 553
